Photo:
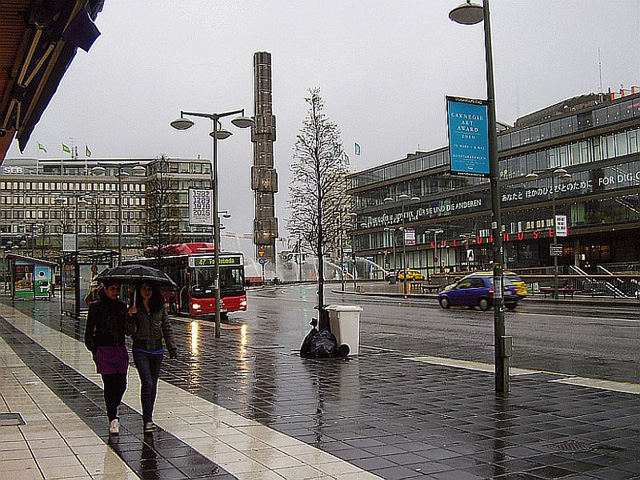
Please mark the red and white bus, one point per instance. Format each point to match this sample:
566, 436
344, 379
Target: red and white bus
191, 266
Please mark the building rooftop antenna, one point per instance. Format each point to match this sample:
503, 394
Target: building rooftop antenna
600, 68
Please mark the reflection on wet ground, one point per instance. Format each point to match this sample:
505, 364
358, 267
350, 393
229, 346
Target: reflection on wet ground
387, 414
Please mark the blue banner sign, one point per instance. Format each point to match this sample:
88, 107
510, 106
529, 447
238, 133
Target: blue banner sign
468, 136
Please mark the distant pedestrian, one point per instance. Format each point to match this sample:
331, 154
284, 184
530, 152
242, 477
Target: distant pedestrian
150, 326
105, 338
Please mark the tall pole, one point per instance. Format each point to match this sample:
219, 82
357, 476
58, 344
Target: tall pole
555, 242
119, 215
404, 253
216, 226
342, 275
354, 258
500, 339
183, 124
435, 251
392, 232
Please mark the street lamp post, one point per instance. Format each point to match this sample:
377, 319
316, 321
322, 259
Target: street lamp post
435, 250
392, 235
561, 174
403, 199
471, 14
218, 133
100, 169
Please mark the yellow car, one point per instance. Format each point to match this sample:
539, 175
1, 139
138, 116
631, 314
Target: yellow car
411, 275
521, 287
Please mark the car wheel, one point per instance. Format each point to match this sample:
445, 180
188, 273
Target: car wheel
445, 303
511, 306
483, 304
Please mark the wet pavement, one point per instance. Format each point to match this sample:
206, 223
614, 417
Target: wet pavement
245, 407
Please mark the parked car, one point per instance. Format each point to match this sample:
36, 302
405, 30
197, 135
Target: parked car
411, 275
477, 289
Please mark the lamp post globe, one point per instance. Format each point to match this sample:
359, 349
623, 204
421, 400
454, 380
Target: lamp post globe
182, 123
467, 13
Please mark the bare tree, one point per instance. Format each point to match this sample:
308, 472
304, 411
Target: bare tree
317, 188
162, 208
96, 224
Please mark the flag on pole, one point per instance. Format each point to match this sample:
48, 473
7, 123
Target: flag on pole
87, 152
65, 148
357, 148
41, 147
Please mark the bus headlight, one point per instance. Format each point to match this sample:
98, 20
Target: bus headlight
197, 306
243, 304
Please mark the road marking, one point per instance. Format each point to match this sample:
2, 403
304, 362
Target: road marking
624, 387
478, 366
630, 320
601, 384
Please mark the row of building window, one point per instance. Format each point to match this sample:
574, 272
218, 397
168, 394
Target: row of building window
65, 187
585, 151
571, 124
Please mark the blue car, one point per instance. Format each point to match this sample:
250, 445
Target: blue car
476, 289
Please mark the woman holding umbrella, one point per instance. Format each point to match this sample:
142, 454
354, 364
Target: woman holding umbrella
105, 338
150, 326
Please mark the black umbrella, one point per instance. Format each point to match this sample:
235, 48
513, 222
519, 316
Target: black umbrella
136, 274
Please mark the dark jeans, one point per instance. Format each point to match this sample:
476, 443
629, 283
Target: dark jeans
115, 385
148, 366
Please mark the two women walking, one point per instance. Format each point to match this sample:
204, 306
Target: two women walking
147, 322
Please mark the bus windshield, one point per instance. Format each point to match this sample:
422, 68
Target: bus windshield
231, 280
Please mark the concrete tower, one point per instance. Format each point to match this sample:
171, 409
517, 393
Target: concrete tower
264, 178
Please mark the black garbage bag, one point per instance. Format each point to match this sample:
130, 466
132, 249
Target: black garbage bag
305, 349
323, 344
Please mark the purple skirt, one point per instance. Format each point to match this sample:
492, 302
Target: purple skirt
111, 360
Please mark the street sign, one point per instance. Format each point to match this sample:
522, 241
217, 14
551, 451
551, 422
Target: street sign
261, 253
561, 226
409, 236
262, 261
555, 249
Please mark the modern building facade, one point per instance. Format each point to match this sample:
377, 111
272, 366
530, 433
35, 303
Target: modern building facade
40, 200
595, 138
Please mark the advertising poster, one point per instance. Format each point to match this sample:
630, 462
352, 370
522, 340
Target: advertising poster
23, 280
468, 136
42, 281
200, 207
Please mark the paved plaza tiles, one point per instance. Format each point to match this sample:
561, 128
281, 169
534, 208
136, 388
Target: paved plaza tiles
240, 407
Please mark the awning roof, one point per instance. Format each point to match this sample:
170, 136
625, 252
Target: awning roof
38, 42
24, 258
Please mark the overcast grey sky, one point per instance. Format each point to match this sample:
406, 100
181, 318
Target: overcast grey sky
384, 68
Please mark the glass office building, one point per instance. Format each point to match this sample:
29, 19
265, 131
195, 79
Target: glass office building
595, 138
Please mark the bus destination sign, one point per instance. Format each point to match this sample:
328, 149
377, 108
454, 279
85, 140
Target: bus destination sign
210, 261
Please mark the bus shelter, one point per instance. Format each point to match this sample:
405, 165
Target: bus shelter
78, 271
31, 278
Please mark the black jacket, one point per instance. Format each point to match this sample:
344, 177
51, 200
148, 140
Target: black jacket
106, 324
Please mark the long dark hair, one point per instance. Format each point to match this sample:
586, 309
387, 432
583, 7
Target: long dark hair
156, 302
102, 295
